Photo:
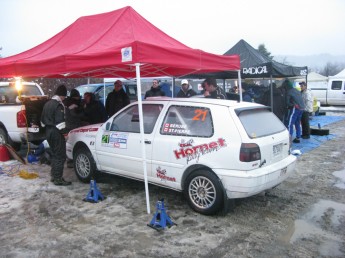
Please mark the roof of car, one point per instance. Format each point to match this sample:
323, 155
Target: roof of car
222, 102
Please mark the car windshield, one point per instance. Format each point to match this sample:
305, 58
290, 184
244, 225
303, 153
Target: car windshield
260, 122
87, 88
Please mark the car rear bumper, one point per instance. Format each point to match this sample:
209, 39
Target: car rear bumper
241, 184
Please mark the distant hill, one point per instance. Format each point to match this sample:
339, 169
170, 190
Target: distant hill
312, 61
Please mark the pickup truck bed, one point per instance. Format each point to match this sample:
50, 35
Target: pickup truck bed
20, 118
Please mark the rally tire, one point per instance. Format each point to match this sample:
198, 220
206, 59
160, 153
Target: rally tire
319, 131
84, 165
204, 192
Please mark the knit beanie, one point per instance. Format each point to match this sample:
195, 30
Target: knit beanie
74, 93
61, 90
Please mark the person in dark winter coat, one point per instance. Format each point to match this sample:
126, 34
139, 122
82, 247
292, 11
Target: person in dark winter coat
94, 109
53, 119
74, 113
296, 107
279, 104
155, 90
186, 90
212, 90
117, 99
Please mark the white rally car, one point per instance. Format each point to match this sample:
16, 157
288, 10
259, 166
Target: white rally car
212, 150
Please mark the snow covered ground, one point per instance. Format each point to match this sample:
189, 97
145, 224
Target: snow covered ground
303, 217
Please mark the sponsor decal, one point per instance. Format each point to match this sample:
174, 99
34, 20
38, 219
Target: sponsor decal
304, 72
126, 54
190, 152
161, 173
85, 130
255, 70
105, 138
115, 140
175, 129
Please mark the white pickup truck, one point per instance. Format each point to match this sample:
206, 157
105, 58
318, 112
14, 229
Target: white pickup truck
20, 115
331, 92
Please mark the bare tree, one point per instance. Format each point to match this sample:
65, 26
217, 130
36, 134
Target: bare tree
331, 69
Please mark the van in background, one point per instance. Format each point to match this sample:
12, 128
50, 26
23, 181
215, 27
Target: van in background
329, 93
101, 94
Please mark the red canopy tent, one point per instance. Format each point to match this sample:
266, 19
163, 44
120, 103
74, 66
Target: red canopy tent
120, 43
107, 45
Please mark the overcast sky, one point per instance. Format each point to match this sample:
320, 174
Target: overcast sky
294, 27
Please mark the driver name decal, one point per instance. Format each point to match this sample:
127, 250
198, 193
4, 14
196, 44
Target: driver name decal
175, 128
193, 152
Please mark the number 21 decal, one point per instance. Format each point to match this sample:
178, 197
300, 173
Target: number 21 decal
200, 114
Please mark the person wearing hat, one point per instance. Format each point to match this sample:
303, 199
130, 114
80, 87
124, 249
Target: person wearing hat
74, 113
186, 90
117, 99
296, 107
53, 119
307, 97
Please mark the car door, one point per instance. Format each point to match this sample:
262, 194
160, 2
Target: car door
118, 144
185, 136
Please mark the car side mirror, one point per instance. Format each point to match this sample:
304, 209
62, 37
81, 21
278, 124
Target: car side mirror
107, 126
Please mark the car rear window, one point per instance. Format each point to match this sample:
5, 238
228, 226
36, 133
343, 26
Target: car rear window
188, 121
260, 122
10, 93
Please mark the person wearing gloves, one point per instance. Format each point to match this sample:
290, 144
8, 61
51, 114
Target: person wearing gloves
186, 90
53, 119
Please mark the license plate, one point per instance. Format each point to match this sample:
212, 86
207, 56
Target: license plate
277, 149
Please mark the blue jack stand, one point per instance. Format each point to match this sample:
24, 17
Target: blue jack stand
160, 219
94, 195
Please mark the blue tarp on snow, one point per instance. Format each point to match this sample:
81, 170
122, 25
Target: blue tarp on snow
316, 140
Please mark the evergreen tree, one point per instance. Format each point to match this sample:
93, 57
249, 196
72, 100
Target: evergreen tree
262, 49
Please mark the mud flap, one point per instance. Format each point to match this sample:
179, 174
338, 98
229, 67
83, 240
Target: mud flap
228, 204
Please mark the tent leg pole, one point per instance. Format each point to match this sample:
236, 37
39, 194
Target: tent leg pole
239, 84
271, 94
141, 124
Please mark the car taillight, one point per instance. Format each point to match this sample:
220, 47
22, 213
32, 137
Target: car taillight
249, 152
21, 119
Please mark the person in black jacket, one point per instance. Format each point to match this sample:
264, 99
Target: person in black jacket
212, 90
186, 90
53, 119
74, 113
93, 109
155, 90
116, 100
279, 103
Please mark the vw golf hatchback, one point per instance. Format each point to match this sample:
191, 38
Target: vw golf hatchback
211, 150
